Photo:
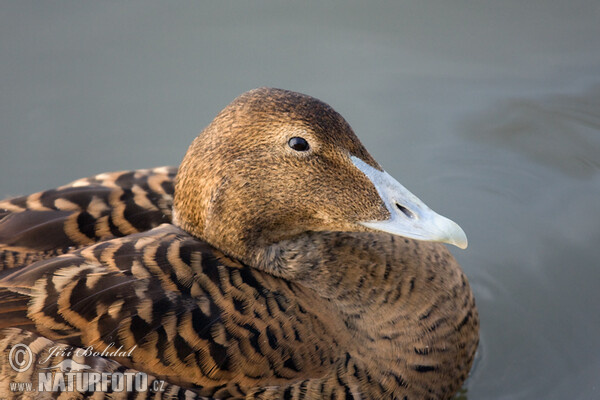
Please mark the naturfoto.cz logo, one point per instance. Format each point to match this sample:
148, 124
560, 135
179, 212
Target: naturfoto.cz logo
69, 375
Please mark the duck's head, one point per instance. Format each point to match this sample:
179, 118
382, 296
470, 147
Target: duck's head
274, 164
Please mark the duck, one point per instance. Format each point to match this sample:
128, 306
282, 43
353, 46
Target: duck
278, 261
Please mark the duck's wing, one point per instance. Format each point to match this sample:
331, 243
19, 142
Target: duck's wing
137, 294
41, 354
31, 374
89, 210
187, 313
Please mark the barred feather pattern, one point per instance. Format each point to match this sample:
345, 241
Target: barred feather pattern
194, 316
46, 353
380, 317
86, 211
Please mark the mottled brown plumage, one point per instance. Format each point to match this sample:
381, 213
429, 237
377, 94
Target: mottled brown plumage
83, 212
265, 286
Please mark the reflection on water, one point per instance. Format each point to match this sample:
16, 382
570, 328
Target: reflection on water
559, 131
534, 164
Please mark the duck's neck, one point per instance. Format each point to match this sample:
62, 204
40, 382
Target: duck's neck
406, 304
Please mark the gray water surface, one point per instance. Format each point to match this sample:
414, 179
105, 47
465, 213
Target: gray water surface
489, 111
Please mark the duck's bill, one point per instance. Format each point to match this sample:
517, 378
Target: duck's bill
410, 217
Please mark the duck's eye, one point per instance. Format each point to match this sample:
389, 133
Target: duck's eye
298, 144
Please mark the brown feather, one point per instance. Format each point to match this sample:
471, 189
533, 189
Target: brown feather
57, 221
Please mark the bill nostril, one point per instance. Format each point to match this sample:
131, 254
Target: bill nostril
405, 211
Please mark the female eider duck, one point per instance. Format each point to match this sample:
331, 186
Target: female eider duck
283, 263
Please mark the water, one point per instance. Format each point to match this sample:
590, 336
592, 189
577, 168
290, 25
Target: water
489, 111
